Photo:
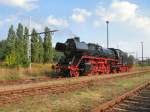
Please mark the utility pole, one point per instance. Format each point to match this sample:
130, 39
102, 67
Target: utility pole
107, 22
136, 55
142, 53
117, 46
136, 58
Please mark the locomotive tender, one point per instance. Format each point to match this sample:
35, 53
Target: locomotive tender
81, 58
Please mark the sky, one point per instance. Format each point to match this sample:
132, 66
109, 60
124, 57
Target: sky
129, 20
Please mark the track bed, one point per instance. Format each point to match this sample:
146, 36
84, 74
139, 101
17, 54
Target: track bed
137, 103
9, 94
79, 100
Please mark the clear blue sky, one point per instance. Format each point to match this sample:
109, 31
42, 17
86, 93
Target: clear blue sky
129, 20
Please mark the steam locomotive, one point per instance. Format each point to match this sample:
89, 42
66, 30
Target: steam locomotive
82, 58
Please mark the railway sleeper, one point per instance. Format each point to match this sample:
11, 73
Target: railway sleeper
139, 98
138, 104
116, 109
134, 108
145, 94
119, 109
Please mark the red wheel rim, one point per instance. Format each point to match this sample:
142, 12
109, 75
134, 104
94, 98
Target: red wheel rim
74, 74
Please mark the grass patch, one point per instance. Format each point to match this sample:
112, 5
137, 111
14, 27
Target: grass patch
12, 77
37, 70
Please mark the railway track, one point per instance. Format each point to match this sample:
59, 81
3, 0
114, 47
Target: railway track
13, 95
37, 80
24, 81
136, 100
42, 79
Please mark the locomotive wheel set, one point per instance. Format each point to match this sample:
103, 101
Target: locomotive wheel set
81, 58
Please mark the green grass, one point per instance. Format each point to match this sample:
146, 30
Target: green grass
37, 70
82, 100
12, 77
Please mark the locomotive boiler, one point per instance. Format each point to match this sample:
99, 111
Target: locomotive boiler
82, 58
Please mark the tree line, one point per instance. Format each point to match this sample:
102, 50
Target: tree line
14, 50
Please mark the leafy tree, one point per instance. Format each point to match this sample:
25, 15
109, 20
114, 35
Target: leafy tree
57, 55
25, 47
41, 50
20, 44
131, 60
34, 46
14, 50
47, 46
148, 62
11, 54
2, 49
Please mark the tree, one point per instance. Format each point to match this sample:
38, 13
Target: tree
20, 44
11, 54
14, 50
2, 49
41, 50
34, 46
131, 60
25, 46
147, 62
47, 46
57, 55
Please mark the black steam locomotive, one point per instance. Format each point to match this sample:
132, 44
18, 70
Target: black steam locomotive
81, 58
